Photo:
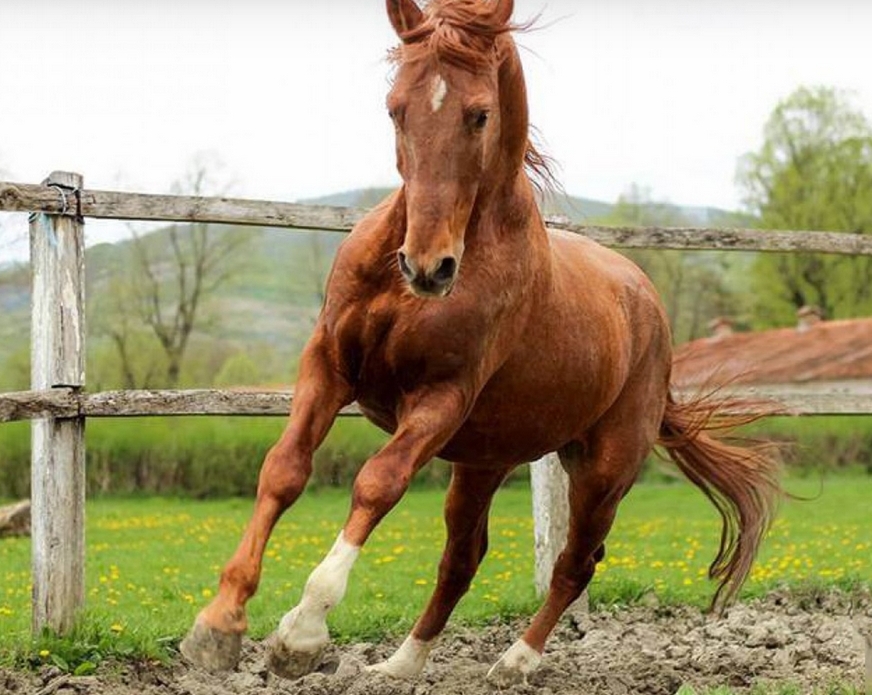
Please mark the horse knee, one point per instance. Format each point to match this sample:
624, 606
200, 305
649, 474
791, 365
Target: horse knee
284, 474
377, 489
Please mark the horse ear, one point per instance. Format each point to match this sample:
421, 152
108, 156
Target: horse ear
405, 15
503, 11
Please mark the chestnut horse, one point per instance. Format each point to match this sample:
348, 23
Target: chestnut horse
468, 331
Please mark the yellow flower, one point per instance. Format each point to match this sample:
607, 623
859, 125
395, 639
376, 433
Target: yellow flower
44, 653
117, 628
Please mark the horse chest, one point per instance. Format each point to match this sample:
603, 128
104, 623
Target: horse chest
392, 351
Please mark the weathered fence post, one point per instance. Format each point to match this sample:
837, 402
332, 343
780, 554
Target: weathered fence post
550, 488
57, 256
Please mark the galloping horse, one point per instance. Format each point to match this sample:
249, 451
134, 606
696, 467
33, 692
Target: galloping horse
468, 331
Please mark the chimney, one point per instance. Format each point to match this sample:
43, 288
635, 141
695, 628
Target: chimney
720, 327
806, 317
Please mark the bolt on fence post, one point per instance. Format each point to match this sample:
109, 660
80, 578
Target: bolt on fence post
57, 256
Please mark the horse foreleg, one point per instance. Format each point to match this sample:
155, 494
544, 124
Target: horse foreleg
467, 504
215, 639
302, 635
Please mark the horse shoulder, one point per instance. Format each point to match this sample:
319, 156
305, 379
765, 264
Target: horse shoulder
598, 271
612, 299
368, 250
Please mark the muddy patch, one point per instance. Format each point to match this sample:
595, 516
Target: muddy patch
811, 642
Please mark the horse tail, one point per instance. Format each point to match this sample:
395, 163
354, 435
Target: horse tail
740, 477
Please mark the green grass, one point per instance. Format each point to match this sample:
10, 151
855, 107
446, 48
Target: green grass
152, 563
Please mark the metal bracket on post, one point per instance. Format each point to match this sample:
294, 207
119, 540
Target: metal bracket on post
57, 256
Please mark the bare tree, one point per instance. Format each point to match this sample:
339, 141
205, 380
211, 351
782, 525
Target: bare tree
174, 272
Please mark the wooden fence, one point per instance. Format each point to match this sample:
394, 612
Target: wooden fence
58, 403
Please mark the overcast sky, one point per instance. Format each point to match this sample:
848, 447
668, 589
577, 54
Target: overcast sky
289, 94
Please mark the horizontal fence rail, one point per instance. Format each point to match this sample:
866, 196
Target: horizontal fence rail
16, 197
71, 403
59, 403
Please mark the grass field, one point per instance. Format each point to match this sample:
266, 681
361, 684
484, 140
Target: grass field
152, 563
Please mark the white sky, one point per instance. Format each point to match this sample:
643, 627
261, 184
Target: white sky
289, 94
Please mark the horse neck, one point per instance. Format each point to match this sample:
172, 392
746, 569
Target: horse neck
514, 113
508, 194
508, 214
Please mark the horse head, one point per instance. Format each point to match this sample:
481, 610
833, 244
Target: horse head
459, 109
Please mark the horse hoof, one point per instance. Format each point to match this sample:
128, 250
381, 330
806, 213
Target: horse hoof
514, 666
407, 662
386, 668
211, 649
292, 663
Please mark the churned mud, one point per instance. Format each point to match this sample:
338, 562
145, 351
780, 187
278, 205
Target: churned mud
811, 642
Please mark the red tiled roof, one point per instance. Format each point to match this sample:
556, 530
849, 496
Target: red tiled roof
825, 351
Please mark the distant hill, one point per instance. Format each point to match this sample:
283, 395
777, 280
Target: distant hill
578, 210
274, 297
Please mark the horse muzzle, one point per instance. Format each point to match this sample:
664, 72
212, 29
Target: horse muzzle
436, 279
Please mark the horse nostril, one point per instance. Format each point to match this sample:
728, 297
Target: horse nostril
405, 269
445, 271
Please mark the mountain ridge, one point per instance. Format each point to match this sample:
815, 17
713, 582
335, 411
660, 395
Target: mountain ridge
276, 290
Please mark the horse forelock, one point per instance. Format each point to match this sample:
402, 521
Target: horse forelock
462, 33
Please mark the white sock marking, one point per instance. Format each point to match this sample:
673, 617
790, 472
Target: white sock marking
408, 661
305, 627
519, 660
439, 91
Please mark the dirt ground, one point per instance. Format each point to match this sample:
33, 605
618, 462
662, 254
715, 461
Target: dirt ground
810, 641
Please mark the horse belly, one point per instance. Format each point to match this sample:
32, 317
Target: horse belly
517, 426
543, 399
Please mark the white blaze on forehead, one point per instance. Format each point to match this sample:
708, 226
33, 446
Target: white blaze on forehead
439, 90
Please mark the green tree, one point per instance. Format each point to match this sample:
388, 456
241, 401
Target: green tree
813, 172
238, 370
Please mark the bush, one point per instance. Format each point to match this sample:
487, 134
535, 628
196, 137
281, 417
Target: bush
221, 456
192, 456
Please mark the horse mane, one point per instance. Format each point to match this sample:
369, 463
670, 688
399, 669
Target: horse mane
464, 33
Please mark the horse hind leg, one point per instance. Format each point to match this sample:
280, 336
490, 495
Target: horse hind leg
467, 504
600, 474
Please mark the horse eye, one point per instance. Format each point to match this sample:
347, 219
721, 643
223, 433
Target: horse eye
479, 120
396, 115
